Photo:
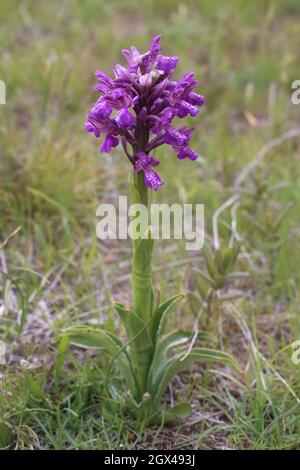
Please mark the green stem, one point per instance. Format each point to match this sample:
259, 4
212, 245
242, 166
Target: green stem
142, 291
141, 265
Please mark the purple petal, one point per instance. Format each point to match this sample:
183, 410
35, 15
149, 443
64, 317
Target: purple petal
174, 137
101, 109
89, 127
127, 54
187, 83
187, 152
109, 142
124, 118
186, 108
118, 98
154, 41
155, 47
152, 179
195, 99
133, 56
166, 116
144, 161
167, 64
105, 82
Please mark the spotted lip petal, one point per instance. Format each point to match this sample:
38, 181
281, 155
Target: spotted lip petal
138, 106
152, 179
187, 152
145, 163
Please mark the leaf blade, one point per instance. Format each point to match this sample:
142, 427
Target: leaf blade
180, 361
160, 315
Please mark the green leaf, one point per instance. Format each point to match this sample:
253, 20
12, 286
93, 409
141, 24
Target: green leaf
204, 276
235, 252
35, 391
282, 216
23, 304
210, 264
141, 348
6, 436
61, 351
160, 315
144, 246
134, 193
176, 338
92, 338
123, 312
230, 255
134, 325
173, 339
179, 411
219, 259
180, 361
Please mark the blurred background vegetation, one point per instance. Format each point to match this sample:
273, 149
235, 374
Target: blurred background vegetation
54, 271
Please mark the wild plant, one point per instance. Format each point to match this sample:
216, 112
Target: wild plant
136, 109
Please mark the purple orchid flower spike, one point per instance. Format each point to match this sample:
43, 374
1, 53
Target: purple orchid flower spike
138, 106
